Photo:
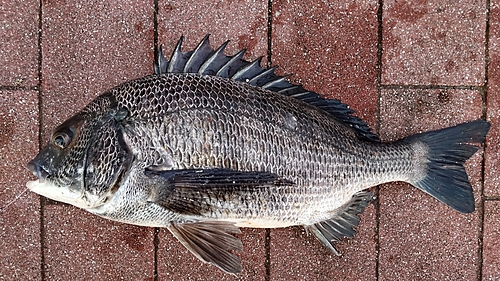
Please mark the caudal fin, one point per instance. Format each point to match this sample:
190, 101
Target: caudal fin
447, 150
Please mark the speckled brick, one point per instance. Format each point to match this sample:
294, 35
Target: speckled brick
405, 112
242, 22
245, 24
433, 42
175, 262
492, 160
19, 43
331, 48
298, 256
81, 246
20, 253
491, 241
89, 47
420, 237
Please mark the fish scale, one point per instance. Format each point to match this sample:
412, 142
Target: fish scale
210, 143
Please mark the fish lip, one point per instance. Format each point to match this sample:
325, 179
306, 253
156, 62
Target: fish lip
38, 171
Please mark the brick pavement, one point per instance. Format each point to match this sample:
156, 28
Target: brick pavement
404, 66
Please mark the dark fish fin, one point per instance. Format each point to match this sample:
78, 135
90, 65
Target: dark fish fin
343, 113
445, 177
211, 243
205, 60
161, 63
217, 177
202, 52
193, 192
343, 223
214, 63
178, 59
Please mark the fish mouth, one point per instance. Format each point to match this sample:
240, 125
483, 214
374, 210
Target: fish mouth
45, 186
38, 171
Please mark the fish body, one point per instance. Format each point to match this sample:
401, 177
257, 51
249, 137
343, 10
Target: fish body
232, 125
210, 143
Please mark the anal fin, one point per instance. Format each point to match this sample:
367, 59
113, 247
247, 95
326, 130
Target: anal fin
211, 243
342, 224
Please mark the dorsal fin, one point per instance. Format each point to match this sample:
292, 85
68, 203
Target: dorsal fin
205, 60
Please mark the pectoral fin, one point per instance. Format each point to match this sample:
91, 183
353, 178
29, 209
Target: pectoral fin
209, 178
343, 222
211, 242
199, 191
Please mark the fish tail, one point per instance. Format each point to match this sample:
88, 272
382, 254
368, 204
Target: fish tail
440, 156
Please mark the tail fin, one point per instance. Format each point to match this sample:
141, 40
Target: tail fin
448, 149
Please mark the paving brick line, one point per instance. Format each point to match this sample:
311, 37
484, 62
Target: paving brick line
483, 162
380, 87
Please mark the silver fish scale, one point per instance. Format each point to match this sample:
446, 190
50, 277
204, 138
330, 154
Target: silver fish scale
190, 121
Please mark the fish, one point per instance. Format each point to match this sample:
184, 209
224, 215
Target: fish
211, 143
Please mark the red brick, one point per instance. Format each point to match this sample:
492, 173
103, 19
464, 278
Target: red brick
242, 22
175, 262
404, 112
298, 256
492, 159
491, 241
20, 253
89, 47
421, 238
81, 246
433, 42
331, 48
19, 44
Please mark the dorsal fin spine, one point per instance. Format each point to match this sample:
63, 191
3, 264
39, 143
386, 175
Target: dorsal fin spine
176, 56
292, 87
160, 64
256, 80
248, 71
206, 68
225, 70
199, 55
276, 83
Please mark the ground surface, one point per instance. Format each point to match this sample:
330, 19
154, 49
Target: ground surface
404, 66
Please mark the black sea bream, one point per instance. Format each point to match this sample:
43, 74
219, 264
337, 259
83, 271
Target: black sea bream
211, 143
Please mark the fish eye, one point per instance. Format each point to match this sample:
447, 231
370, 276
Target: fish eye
62, 139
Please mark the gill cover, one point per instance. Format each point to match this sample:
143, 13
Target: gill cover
108, 159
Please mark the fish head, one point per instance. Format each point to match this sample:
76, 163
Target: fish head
59, 166
83, 162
